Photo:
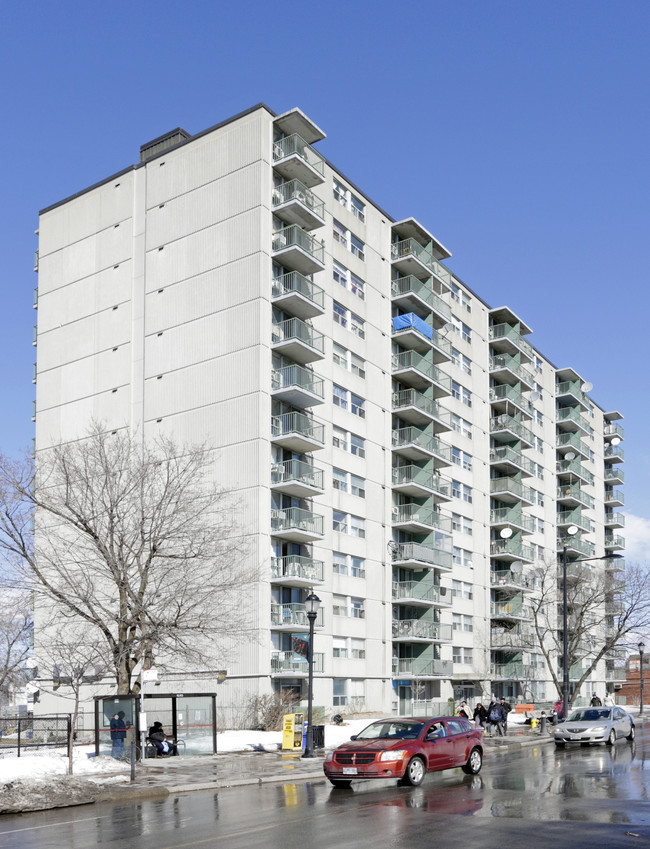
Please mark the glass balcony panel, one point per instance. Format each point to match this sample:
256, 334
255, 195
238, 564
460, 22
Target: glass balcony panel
414, 667
295, 570
415, 444
298, 386
293, 616
291, 663
296, 524
416, 514
511, 549
417, 556
298, 341
295, 203
421, 591
297, 431
414, 406
298, 295
297, 478
506, 457
421, 629
298, 250
420, 372
510, 489
416, 481
295, 159
504, 424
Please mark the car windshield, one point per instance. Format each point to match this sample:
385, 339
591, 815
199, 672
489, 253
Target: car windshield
391, 730
590, 715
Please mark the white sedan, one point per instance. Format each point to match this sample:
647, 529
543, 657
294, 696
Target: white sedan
595, 725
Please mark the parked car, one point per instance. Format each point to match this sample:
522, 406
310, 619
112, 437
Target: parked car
406, 749
595, 725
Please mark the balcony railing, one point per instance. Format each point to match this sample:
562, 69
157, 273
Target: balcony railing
417, 514
412, 398
507, 331
611, 475
506, 454
572, 440
614, 430
505, 392
573, 517
404, 475
505, 422
615, 495
507, 609
614, 451
573, 544
299, 423
417, 668
297, 470
295, 517
295, 190
501, 638
294, 236
513, 548
417, 553
574, 491
511, 516
505, 361
296, 566
506, 578
295, 329
294, 614
288, 661
503, 485
283, 378
422, 591
414, 436
413, 360
411, 285
296, 145
515, 671
409, 247
421, 629
572, 414
298, 284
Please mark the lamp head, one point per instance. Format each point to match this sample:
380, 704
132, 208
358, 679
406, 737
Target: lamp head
312, 603
641, 647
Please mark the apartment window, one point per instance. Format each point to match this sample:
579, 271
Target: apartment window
357, 405
347, 360
340, 233
340, 193
357, 208
347, 280
538, 444
469, 657
357, 365
344, 523
466, 397
357, 486
538, 389
357, 287
464, 363
339, 647
344, 237
339, 563
468, 625
538, 497
357, 567
340, 355
457, 654
538, 525
340, 438
460, 297
539, 470
340, 275
455, 390
461, 393
461, 524
357, 326
357, 445
461, 329
461, 589
339, 605
339, 521
339, 697
537, 364
461, 557
539, 418
358, 527
339, 396
356, 690
462, 654
340, 480
461, 490
461, 458
461, 425
340, 314
357, 610
358, 649
350, 201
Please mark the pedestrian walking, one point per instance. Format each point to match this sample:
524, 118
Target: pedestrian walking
507, 707
480, 716
595, 701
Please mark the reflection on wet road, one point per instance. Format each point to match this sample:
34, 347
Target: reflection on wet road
529, 796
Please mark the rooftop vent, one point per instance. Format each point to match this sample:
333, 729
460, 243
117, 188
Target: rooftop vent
163, 143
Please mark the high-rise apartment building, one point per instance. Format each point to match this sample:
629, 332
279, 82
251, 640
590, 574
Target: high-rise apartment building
397, 445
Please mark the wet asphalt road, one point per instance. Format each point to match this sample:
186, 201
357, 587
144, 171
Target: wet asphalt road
523, 799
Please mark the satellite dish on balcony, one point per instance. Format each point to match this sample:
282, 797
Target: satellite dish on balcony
586, 386
535, 396
570, 455
505, 533
393, 548
616, 441
572, 530
517, 567
446, 327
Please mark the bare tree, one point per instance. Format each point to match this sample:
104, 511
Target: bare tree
133, 540
605, 609
15, 640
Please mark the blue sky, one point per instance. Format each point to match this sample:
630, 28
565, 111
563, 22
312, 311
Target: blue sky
517, 132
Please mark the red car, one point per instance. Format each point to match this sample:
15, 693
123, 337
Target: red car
406, 749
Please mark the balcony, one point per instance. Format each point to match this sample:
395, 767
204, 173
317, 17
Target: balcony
420, 631
509, 461
296, 571
515, 672
416, 519
421, 593
415, 407
574, 546
504, 338
568, 393
415, 444
572, 494
297, 295
293, 665
511, 549
572, 442
508, 369
510, 517
504, 397
614, 475
297, 341
612, 430
297, 386
297, 432
415, 667
297, 478
414, 295
574, 468
501, 638
297, 525
413, 555
510, 610
570, 418
510, 490
566, 518
417, 482
412, 332
614, 520
506, 581
614, 454
409, 257
294, 203
614, 498
614, 542
297, 250
420, 372
505, 427
294, 159
292, 617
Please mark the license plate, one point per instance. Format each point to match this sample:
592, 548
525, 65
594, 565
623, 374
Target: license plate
349, 770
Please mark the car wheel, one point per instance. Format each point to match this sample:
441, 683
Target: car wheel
612, 738
415, 772
342, 783
630, 736
560, 744
474, 762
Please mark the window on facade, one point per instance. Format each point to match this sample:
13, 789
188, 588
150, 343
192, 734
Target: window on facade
339, 647
462, 491
461, 557
340, 480
538, 525
357, 486
357, 405
348, 441
539, 418
469, 658
357, 326
357, 610
340, 438
357, 365
339, 521
461, 523
339, 563
358, 649
339, 605
457, 654
339, 697
340, 274
539, 470
344, 237
357, 445
339, 396
357, 286
340, 355
461, 329
461, 297
461, 458
357, 567
340, 233
358, 526
461, 425
340, 314
348, 280
538, 497
350, 201
464, 363
357, 248
347, 360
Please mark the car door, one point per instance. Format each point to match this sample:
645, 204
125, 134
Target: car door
621, 722
437, 746
459, 736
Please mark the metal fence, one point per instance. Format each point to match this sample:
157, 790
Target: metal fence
19, 733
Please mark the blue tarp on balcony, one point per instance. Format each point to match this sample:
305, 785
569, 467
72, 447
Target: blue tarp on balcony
410, 319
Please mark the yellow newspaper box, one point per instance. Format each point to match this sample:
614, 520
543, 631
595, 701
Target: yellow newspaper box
292, 724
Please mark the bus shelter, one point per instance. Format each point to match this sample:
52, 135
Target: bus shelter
190, 718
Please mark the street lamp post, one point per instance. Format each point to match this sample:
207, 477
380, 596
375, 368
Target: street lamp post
312, 603
571, 531
641, 650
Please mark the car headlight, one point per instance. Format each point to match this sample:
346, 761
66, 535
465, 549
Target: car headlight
329, 756
599, 728
393, 755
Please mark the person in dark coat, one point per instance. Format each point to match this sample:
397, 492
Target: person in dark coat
497, 718
507, 707
118, 734
480, 717
163, 743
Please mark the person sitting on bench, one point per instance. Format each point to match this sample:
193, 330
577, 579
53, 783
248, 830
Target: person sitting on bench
163, 743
